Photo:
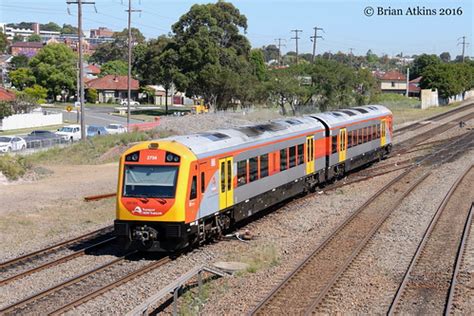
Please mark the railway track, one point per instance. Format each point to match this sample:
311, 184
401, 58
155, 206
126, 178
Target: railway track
82, 288
48, 257
303, 290
427, 121
429, 282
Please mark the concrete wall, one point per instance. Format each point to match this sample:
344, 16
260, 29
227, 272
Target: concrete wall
429, 98
34, 119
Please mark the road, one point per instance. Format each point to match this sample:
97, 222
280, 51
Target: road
97, 116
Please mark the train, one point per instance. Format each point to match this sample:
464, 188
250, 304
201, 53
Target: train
181, 191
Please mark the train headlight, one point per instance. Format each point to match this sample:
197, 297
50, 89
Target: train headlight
170, 157
133, 157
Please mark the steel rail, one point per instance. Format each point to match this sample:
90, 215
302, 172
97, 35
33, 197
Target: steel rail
49, 249
83, 299
398, 296
62, 285
66, 258
459, 256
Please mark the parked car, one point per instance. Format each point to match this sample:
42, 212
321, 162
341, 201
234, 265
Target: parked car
40, 134
96, 130
70, 132
41, 138
116, 129
132, 103
11, 143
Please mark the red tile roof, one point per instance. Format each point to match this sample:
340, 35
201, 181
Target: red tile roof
416, 80
112, 82
393, 76
27, 44
413, 87
6, 95
93, 69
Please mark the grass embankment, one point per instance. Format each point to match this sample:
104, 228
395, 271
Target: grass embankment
95, 150
408, 109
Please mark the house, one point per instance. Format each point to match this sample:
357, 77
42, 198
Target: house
4, 68
112, 88
6, 95
392, 82
174, 97
91, 71
29, 49
414, 89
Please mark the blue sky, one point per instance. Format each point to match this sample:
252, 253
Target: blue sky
344, 22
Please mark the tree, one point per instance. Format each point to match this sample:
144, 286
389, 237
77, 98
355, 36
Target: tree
3, 42
51, 26
54, 68
68, 29
114, 67
371, 57
23, 103
421, 62
91, 95
270, 52
17, 38
5, 109
212, 54
22, 78
446, 57
257, 63
118, 49
444, 77
34, 38
19, 61
284, 88
37, 93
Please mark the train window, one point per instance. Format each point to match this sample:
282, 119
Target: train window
334, 144
349, 139
378, 130
300, 154
374, 132
203, 182
369, 133
263, 166
283, 159
241, 172
253, 169
193, 193
223, 177
292, 155
229, 175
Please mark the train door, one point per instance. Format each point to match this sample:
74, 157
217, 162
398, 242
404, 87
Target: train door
226, 187
383, 139
342, 144
309, 154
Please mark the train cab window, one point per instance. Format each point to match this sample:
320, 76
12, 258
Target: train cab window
283, 159
253, 169
300, 154
263, 166
241, 173
334, 144
193, 193
203, 182
292, 155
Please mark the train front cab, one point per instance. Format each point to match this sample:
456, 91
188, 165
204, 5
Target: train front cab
152, 194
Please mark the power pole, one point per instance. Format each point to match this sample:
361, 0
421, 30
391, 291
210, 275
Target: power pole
350, 54
279, 49
464, 44
314, 38
81, 66
296, 38
129, 77
408, 82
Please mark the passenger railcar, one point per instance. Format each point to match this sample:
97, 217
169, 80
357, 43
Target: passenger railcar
183, 190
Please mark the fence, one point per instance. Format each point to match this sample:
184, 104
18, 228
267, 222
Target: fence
33, 119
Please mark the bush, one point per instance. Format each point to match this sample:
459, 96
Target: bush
36, 92
5, 109
14, 167
91, 95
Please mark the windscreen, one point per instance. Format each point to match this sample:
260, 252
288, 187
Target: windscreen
66, 129
150, 181
5, 139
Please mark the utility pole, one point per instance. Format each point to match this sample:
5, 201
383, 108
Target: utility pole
350, 54
80, 93
296, 38
314, 38
129, 77
408, 82
464, 44
279, 49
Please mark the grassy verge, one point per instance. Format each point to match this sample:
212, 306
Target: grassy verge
95, 150
23, 131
